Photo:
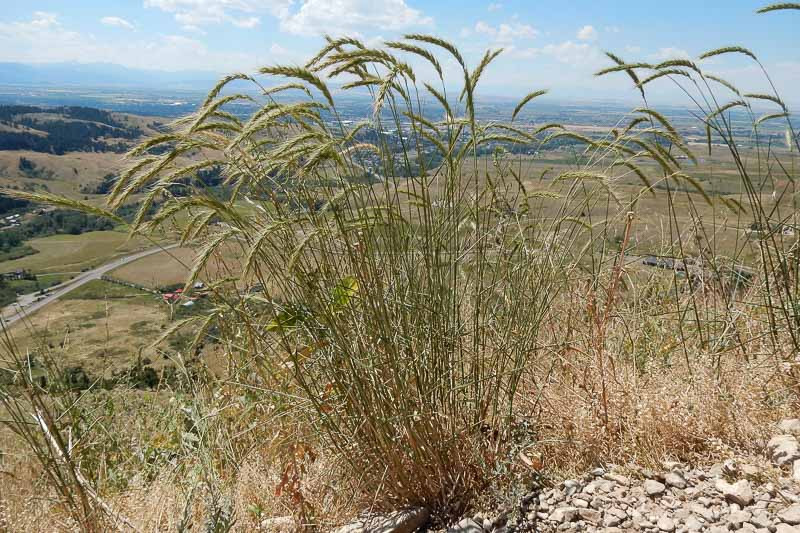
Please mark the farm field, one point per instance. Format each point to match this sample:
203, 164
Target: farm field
173, 266
73, 253
101, 327
158, 270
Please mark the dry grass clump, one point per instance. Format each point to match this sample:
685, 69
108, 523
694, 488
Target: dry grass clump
666, 413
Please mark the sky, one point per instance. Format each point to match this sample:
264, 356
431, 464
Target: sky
555, 45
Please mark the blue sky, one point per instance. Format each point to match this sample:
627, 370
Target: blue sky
555, 45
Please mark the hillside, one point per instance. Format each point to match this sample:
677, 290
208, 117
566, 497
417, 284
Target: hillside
67, 129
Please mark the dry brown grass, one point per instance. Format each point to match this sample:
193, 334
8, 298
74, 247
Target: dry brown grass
102, 336
173, 266
666, 414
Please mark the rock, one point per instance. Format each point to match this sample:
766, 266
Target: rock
571, 486
783, 449
467, 525
751, 470
693, 524
590, 515
279, 524
564, 514
618, 478
760, 520
681, 514
597, 472
653, 488
790, 515
582, 503
665, 523
715, 471
674, 479
702, 510
790, 426
737, 518
739, 493
796, 470
730, 468
405, 521
785, 528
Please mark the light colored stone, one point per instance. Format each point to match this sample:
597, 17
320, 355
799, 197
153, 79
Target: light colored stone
790, 515
467, 525
715, 470
760, 520
783, 449
785, 528
674, 479
702, 510
580, 503
278, 524
404, 521
590, 515
693, 524
739, 493
737, 518
790, 426
618, 478
564, 514
571, 486
654, 488
665, 523
619, 513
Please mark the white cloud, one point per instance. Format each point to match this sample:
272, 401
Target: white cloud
506, 33
38, 40
572, 53
116, 21
278, 50
317, 17
587, 33
568, 52
494, 6
43, 19
300, 17
670, 52
612, 29
44, 39
633, 49
205, 12
249, 22
193, 29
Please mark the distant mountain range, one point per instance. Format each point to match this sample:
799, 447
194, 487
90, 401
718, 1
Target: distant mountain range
102, 75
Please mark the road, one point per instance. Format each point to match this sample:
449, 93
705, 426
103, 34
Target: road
30, 303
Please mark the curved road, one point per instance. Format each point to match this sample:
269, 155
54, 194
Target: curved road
30, 303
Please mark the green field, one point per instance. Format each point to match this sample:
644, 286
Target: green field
101, 290
74, 253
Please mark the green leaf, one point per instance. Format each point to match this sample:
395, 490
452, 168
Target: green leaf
289, 318
343, 292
